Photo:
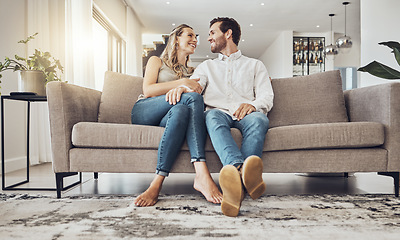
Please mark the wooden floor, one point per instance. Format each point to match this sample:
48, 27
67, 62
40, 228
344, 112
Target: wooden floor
42, 176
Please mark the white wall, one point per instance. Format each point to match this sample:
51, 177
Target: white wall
379, 23
278, 56
13, 17
134, 44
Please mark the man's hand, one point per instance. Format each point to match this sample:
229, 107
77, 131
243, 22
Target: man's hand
243, 110
193, 84
173, 96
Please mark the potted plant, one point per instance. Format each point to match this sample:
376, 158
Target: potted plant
380, 70
35, 71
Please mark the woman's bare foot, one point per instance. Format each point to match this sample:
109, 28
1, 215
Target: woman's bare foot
204, 183
150, 196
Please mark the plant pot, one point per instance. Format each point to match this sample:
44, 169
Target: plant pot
32, 81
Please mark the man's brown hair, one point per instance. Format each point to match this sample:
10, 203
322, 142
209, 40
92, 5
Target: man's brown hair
226, 24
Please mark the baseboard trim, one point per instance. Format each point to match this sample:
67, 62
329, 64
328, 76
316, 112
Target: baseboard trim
14, 164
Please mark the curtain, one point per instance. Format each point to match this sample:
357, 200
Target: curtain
65, 28
79, 68
46, 18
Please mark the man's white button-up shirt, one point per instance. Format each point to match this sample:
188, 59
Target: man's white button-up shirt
230, 81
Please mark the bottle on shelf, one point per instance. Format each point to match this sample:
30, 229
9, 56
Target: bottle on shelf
312, 46
304, 57
320, 60
312, 57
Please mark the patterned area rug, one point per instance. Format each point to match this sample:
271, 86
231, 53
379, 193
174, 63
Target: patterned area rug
191, 217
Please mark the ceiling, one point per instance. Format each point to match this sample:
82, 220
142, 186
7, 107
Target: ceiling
268, 18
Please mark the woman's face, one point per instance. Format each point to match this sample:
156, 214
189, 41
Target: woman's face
187, 41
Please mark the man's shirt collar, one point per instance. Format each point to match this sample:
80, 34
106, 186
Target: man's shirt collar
233, 56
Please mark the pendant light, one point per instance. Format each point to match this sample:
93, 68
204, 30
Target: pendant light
331, 50
344, 43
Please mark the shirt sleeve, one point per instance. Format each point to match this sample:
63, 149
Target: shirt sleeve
264, 95
200, 72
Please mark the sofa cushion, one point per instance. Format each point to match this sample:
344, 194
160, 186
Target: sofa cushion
316, 98
120, 92
132, 136
310, 136
326, 135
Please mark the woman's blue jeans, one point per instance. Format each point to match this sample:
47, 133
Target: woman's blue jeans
186, 118
253, 127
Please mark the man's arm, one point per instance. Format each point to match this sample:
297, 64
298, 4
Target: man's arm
264, 94
201, 73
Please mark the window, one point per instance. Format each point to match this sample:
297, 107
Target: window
349, 77
109, 48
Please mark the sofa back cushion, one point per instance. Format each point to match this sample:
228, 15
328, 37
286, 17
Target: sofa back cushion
120, 93
316, 98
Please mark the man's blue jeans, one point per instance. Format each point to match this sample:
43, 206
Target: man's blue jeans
186, 118
253, 127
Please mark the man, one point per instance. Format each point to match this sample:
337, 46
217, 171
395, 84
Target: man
237, 94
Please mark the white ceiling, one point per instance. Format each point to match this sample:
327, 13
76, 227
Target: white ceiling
268, 20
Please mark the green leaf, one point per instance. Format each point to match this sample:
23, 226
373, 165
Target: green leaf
43, 61
380, 70
397, 55
28, 39
392, 44
19, 58
50, 69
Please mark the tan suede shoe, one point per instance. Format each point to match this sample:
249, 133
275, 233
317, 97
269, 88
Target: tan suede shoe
252, 176
232, 190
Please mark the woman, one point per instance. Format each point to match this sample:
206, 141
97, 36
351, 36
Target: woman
171, 100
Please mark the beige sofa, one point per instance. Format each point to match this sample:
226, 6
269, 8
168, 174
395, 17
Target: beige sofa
314, 128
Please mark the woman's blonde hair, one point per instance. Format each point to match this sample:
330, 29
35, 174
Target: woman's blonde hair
170, 56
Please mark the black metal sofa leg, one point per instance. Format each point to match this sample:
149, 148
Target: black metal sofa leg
60, 181
396, 180
59, 184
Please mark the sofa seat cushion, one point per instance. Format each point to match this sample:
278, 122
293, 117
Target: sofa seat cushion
310, 136
125, 136
113, 135
326, 135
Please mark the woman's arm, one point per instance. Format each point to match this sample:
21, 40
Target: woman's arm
150, 86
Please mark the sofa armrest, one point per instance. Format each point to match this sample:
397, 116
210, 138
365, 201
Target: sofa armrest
379, 103
68, 105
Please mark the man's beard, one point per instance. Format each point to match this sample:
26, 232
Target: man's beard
220, 44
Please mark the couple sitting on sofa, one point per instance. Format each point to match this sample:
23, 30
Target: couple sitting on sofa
237, 93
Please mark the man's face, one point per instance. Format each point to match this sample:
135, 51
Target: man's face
216, 38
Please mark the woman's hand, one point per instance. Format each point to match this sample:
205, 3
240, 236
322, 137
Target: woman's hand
193, 84
173, 96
